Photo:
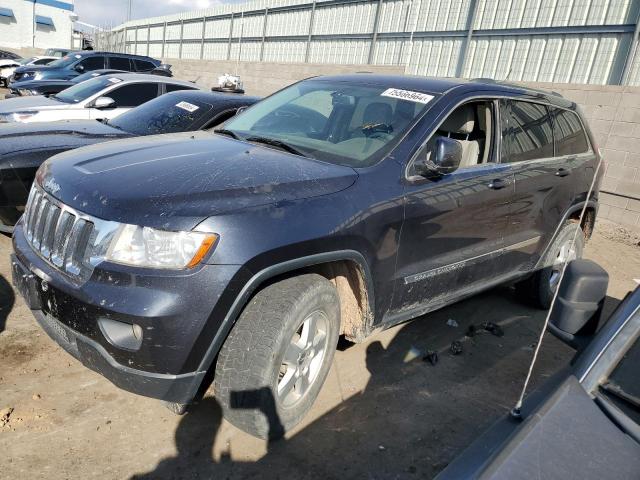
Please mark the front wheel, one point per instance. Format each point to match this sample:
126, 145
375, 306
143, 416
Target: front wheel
275, 360
541, 287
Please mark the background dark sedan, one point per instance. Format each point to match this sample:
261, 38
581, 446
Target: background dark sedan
23, 147
51, 87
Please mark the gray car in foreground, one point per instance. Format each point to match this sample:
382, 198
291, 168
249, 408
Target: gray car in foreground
585, 422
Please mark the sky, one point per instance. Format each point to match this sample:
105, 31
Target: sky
114, 12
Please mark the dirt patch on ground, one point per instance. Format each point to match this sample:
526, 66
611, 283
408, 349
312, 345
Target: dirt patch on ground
618, 233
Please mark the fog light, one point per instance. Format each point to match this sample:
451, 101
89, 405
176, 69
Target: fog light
120, 334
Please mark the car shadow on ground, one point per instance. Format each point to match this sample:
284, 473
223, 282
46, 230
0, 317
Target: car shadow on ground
7, 300
412, 418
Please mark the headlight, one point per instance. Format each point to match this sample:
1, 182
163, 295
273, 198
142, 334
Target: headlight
148, 247
38, 76
25, 92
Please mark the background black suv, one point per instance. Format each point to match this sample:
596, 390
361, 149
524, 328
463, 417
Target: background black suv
338, 206
77, 63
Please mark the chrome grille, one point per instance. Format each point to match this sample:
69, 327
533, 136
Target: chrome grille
58, 234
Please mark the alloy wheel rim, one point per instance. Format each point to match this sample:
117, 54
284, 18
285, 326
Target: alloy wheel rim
303, 359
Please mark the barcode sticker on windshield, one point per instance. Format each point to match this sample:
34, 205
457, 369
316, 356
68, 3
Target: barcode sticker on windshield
408, 95
115, 80
187, 106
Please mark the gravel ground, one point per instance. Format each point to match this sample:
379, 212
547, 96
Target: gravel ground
377, 417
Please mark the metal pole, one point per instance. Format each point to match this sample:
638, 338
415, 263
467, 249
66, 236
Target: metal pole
471, 19
164, 38
230, 37
374, 37
264, 32
406, 26
311, 20
148, 39
181, 35
124, 40
33, 26
631, 53
204, 33
240, 43
135, 51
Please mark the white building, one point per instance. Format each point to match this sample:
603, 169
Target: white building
36, 23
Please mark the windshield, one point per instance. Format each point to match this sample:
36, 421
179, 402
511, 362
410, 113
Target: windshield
84, 90
165, 114
338, 122
26, 61
64, 61
53, 52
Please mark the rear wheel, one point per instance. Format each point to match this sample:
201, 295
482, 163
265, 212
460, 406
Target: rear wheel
541, 287
275, 360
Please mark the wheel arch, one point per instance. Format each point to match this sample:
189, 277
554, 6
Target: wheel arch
331, 265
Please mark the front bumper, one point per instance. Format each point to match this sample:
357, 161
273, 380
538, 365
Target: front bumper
174, 312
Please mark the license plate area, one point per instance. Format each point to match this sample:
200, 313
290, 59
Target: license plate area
27, 284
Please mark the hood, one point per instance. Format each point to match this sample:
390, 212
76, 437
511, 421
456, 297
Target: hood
28, 84
33, 68
23, 137
35, 102
176, 181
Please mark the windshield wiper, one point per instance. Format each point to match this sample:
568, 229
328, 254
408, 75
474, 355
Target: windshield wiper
276, 143
229, 133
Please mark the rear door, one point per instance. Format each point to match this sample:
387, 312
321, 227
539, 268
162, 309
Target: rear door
544, 180
120, 63
454, 226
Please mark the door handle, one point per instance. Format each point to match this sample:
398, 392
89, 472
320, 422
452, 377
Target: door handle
497, 184
562, 172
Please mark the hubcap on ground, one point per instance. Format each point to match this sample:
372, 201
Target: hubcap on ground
566, 253
303, 359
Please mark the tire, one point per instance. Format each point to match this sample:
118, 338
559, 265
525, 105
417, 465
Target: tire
252, 369
541, 286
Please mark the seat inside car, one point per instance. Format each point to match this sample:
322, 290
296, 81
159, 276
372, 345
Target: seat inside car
459, 126
377, 113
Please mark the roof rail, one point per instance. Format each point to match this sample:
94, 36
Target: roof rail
500, 82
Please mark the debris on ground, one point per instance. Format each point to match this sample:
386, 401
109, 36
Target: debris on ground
5, 413
493, 329
412, 354
431, 357
456, 347
452, 323
36, 396
381, 448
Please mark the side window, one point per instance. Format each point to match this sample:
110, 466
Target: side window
172, 87
623, 385
143, 65
120, 63
570, 136
471, 125
526, 132
92, 63
43, 61
134, 94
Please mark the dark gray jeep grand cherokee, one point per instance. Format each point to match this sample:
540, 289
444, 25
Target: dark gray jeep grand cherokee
338, 206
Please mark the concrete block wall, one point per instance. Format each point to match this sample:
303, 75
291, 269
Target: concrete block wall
613, 112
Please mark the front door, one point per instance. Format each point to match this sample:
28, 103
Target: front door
455, 224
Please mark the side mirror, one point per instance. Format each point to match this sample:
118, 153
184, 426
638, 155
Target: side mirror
577, 310
104, 102
79, 68
446, 157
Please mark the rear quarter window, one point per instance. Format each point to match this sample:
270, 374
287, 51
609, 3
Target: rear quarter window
143, 65
570, 137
